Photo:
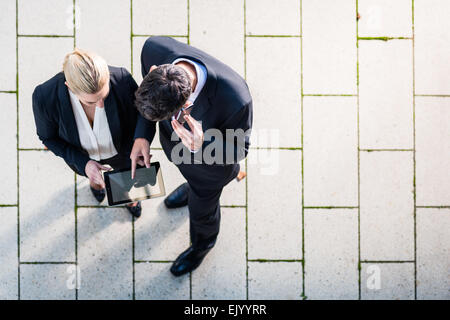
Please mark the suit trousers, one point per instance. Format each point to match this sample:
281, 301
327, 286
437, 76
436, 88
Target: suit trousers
204, 206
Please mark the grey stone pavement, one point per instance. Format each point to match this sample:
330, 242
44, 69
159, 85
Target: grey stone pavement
348, 187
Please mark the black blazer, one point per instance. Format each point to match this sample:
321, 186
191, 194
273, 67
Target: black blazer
224, 102
55, 121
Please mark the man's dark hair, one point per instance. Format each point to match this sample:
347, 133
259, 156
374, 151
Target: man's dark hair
162, 92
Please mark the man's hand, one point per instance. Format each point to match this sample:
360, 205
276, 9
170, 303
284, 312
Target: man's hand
140, 155
191, 139
94, 173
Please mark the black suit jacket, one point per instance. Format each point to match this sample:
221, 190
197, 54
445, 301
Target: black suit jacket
224, 103
55, 121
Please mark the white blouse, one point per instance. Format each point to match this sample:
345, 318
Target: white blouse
96, 140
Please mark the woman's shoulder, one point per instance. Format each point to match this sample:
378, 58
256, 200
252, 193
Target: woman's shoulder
118, 73
120, 77
51, 83
49, 87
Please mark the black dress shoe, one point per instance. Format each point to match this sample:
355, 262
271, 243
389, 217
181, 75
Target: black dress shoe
136, 210
178, 198
99, 194
188, 261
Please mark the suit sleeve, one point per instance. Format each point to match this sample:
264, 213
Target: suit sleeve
233, 144
145, 129
47, 131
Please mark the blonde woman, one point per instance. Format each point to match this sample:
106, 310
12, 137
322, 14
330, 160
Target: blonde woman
86, 115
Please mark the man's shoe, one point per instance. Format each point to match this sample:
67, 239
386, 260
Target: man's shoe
188, 261
99, 194
136, 210
178, 198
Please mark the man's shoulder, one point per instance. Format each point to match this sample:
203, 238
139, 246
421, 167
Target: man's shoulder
161, 43
232, 89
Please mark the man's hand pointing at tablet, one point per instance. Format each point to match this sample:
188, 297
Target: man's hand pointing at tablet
140, 155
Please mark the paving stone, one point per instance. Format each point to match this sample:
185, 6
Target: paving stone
396, 281
105, 253
432, 151
161, 234
331, 253
110, 38
8, 253
47, 218
386, 94
330, 144
387, 205
433, 251
39, 60
154, 17
8, 138
279, 125
47, 282
381, 18
275, 280
329, 46
138, 43
266, 17
154, 281
210, 24
432, 49
8, 45
222, 274
274, 205
45, 17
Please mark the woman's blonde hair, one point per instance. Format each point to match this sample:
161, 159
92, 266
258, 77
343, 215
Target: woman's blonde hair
85, 72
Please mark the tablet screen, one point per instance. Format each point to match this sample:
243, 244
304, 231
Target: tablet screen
146, 184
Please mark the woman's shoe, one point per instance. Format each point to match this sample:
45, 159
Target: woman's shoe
98, 194
136, 210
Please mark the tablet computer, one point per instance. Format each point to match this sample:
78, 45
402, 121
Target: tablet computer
120, 188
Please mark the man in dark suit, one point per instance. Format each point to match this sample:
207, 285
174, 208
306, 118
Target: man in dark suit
203, 102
